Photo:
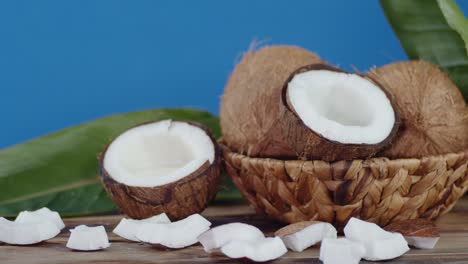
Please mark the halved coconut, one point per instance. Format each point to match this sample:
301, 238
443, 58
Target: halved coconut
180, 234
219, 236
43, 214
330, 114
86, 238
301, 235
167, 167
260, 250
127, 228
27, 233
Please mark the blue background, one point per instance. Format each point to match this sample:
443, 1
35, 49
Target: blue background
66, 62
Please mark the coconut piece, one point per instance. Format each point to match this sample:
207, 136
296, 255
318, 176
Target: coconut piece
40, 215
432, 110
379, 244
167, 167
219, 236
27, 233
180, 234
86, 238
341, 250
249, 113
127, 228
301, 235
259, 250
330, 114
419, 233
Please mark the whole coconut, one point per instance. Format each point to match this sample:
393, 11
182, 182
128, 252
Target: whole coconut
249, 113
433, 112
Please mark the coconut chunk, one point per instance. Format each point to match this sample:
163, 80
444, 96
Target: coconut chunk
419, 233
127, 228
379, 244
40, 215
26, 233
259, 250
170, 167
219, 236
301, 235
180, 234
85, 238
341, 250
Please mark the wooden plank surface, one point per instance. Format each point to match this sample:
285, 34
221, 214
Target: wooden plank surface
452, 247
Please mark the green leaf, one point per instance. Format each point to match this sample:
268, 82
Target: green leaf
433, 30
60, 170
455, 18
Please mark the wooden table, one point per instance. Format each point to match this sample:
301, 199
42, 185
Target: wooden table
452, 247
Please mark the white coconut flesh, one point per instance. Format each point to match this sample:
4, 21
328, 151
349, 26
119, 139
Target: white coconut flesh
127, 228
180, 234
341, 250
219, 236
341, 107
379, 244
259, 250
309, 236
43, 214
158, 153
422, 242
26, 233
86, 238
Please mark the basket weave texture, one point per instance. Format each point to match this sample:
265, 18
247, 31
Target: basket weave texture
378, 189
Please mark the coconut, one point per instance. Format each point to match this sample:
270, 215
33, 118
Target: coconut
302, 235
379, 244
167, 167
27, 232
259, 250
341, 250
127, 228
329, 114
249, 114
221, 235
433, 112
419, 233
86, 238
180, 234
40, 215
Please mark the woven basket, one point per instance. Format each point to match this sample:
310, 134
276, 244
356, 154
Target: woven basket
377, 190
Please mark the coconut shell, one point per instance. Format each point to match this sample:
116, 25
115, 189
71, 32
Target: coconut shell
310, 145
294, 228
433, 111
249, 114
179, 199
414, 228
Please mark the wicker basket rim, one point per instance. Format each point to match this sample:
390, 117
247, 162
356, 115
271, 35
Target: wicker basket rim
439, 156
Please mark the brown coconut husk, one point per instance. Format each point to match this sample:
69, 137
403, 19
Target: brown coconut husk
432, 109
310, 145
294, 228
414, 228
179, 199
249, 114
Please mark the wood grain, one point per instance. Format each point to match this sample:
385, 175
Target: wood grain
452, 247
